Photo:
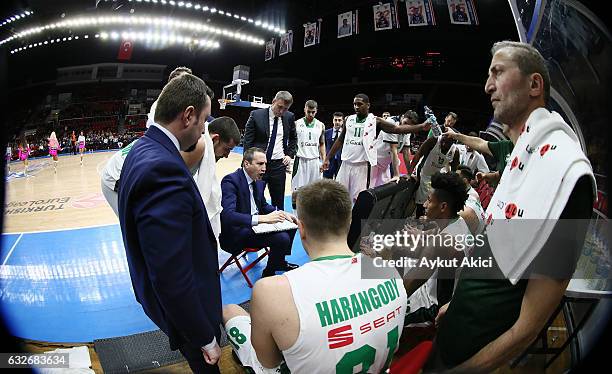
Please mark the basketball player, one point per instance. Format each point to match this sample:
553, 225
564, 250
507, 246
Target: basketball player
358, 141
437, 154
310, 147
314, 327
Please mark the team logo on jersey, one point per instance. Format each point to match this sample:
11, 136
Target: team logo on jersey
546, 148
512, 210
516, 163
340, 337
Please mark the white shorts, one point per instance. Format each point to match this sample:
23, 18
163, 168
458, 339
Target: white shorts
355, 176
305, 172
380, 175
239, 336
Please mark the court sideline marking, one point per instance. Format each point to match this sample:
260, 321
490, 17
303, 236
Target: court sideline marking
12, 249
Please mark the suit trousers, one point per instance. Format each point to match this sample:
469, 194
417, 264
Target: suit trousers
279, 243
195, 359
275, 176
334, 166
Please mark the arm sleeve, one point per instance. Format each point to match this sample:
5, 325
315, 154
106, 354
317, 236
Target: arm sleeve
228, 202
249, 132
559, 256
292, 143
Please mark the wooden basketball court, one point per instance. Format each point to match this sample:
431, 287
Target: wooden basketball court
59, 229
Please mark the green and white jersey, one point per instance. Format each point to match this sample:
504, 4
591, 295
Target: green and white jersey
473, 201
353, 149
308, 135
346, 322
112, 170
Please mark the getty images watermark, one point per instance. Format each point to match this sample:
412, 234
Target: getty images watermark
402, 241
416, 246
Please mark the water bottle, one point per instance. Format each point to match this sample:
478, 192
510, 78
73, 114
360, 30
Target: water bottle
436, 129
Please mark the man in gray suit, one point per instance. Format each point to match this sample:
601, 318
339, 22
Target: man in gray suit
273, 129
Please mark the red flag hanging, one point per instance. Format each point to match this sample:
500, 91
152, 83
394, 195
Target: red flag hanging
125, 50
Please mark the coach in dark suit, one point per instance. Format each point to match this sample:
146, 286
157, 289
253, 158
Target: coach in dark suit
273, 130
245, 206
330, 137
170, 246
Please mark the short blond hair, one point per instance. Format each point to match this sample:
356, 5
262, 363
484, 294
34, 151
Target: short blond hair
324, 207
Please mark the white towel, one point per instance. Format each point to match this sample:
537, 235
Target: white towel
536, 184
210, 189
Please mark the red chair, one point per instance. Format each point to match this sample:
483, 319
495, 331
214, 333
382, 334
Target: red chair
236, 259
412, 361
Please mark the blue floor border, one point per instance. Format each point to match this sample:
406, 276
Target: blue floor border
74, 285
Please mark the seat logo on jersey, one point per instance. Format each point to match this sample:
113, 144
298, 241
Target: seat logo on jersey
340, 337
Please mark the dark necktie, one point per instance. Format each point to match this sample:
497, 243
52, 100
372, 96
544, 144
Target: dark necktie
272, 141
335, 136
255, 195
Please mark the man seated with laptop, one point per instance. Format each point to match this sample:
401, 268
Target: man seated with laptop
245, 207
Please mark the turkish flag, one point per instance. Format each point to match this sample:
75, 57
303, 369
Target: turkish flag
125, 50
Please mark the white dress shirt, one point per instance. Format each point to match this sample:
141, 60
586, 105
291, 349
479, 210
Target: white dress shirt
278, 153
169, 135
254, 210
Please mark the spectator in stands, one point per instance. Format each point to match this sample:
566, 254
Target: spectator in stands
293, 316
549, 177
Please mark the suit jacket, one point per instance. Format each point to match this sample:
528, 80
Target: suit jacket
236, 214
329, 137
170, 246
257, 131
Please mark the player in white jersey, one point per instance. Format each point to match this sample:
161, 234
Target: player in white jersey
473, 213
310, 148
356, 324
427, 287
359, 149
437, 153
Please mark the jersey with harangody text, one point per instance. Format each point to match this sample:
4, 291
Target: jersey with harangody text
356, 324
